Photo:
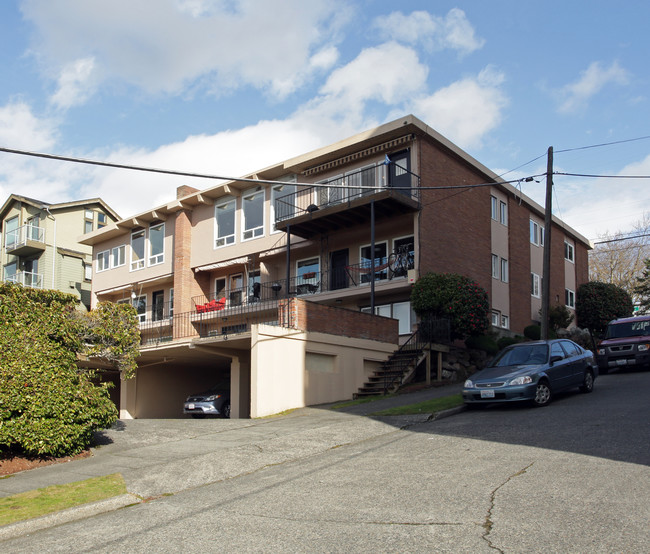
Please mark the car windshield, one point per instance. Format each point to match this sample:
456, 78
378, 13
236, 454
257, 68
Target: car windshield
628, 329
522, 355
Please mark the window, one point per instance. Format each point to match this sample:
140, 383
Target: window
535, 285
505, 322
254, 285
404, 246
157, 305
103, 261
220, 288
305, 268
556, 350
224, 215
381, 262
286, 208
360, 182
11, 232
157, 244
496, 316
33, 231
253, 213
88, 272
495, 266
401, 311
137, 249
569, 298
140, 305
171, 302
568, 251
101, 220
494, 208
118, 256
503, 213
536, 233
89, 219
504, 270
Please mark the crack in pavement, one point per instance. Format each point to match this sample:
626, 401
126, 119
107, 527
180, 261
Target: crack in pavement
488, 523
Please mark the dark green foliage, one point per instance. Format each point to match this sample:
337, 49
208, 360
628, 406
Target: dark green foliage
598, 303
455, 297
533, 332
48, 406
559, 317
507, 341
642, 288
482, 342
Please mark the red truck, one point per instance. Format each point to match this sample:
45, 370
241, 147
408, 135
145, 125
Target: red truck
626, 343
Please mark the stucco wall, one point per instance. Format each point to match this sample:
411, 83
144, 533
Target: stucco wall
282, 379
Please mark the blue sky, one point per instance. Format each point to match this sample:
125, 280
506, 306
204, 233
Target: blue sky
226, 87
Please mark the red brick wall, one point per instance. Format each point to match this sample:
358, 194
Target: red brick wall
455, 235
319, 318
519, 265
183, 275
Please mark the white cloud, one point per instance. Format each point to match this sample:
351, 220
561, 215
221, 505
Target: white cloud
166, 45
453, 31
466, 110
21, 129
577, 94
390, 73
73, 82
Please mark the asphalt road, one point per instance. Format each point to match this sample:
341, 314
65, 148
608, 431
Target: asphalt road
572, 477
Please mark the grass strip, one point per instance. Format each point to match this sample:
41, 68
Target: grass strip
40, 502
427, 407
362, 400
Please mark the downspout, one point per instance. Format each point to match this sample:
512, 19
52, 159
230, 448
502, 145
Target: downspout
53, 248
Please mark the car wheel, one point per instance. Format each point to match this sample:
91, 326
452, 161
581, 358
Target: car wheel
226, 410
588, 384
198, 416
542, 394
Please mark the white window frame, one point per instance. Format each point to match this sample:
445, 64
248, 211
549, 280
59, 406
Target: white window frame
102, 220
254, 232
569, 252
503, 213
158, 257
226, 239
118, 253
300, 264
139, 263
405, 327
495, 266
496, 318
535, 285
569, 298
89, 218
494, 208
536, 233
88, 272
505, 274
103, 260
505, 321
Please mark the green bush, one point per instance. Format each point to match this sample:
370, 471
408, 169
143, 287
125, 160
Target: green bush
482, 342
598, 303
48, 406
455, 297
502, 342
534, 332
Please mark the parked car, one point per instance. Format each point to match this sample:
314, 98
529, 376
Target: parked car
215, 401
534, 372
626, 343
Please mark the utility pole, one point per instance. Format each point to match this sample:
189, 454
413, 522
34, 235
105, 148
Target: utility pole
546, 269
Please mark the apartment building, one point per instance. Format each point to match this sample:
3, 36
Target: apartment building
40, 245
320, 241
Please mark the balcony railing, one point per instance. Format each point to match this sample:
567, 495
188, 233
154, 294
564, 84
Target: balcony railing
27, 279
345, 189
23, 235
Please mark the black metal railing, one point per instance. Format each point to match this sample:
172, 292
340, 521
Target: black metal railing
430, 330
362, 183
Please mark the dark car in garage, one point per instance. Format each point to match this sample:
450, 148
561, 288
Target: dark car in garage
213, 402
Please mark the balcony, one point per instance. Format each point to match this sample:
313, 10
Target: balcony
25, 241
26, 279
345, 201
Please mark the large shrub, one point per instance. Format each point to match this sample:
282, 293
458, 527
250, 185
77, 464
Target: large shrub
455, 297
48, 405
598, 303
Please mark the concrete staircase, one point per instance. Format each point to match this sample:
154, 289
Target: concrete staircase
394, 372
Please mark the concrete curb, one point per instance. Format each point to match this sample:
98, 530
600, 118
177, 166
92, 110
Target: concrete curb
446, 413
65, 516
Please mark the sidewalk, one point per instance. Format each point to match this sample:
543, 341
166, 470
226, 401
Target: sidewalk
160, 457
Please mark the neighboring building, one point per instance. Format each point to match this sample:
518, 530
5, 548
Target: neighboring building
40, 245
210, 270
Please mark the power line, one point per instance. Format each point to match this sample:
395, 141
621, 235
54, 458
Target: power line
238, 179
602, 144
602, 176
622, 239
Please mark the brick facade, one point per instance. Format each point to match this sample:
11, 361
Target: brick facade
519, 252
